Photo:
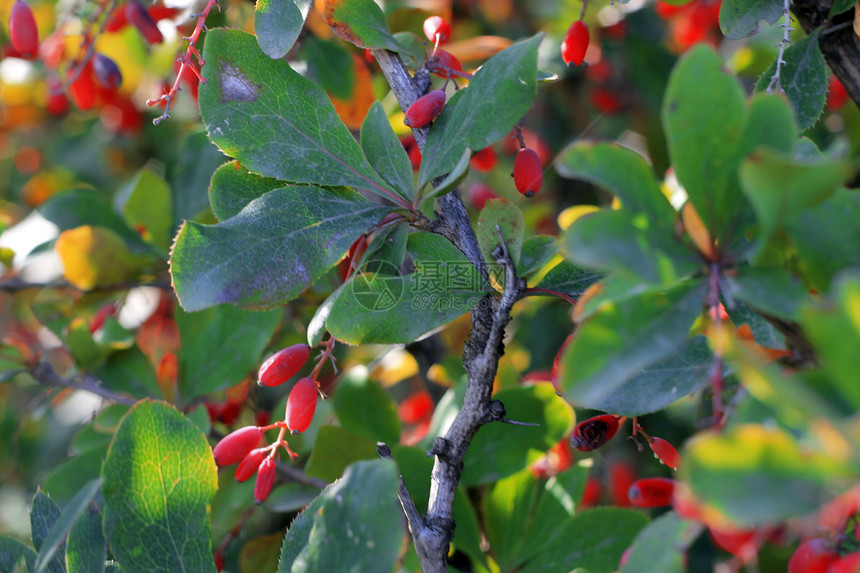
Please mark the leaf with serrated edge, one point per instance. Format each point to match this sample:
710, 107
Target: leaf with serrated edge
86, 551
57, 533
233, 187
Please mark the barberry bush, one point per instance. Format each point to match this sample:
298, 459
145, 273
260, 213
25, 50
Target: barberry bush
430, 286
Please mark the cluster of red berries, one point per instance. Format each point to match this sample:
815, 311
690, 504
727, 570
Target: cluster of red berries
242, 446
691, 23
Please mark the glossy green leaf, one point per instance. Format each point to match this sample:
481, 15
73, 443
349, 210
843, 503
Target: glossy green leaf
617, 344
44, 513
662, 545
702, 98
499, 450
233, 187
274, 121
780, 187
504, 504
372, 307
770, 124
355, 525
364, 407
278, 23
129, 372
498, 96
13, 554
770, 290
593, 540
360, 22
159, 479
221, 346
190, 178
270, 252
290, 497
69, 477
509, 219
740, 18
336, 448
450, 182
840, 6
622, 172
568, 278
804, 79
146, 204
86, 550
757, 475
610, 240
330, 64
52, 546
537, 251
385, 152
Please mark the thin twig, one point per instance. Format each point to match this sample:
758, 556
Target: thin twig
413, 517
775, 83
16, 284
45, 374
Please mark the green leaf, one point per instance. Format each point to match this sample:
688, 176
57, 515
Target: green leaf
290, 497
804, 79
623, 339
509, 218
769, 290
593, 540
740, 18
662, 545
840, 6
233, 187
454, 177
221, 346
51, 549
274, 121
13, 553
44, 513
355, 525
757, 475
770, 124
780, 188
385, 152
380, 308
146, 203
129, 371
278, 23
336, 448
610, 240
622, 172
365, 408
69, 477
504, 504
330, 65
498, 96
500, 450
191, 175
763, 331
86, 551
360, 22
159, 479
702, 98
568, 278
272, 250
537, 251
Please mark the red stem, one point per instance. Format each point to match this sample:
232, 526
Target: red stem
551, 292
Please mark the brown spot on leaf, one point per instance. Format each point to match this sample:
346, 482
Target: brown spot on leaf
341, 29
235, 86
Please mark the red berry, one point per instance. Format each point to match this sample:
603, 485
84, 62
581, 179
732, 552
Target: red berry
230, 411
219, 560
83, 90
301, 405
236, 445
591, 494
847, 564
665, 452
214, 411
479, 194
136, 13
812, 556
651, 492
528, 172
250, 463
283, 365
442, 63
116, 20
106, 72
265, 480
606, 100
425, 109
484, 160
836, 94
23, 32
621, 477
416, 408
575, 43
685, 505
353, 256
592, 433
435, 27
743, 543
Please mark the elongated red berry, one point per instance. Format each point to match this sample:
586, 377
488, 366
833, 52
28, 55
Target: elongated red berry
416, 408
442, 63
847, 564
301, 405
106, 72
250, 463
592, 493
436, 27
621, 477
484, 160
575, 43
82, 91
236, 445
592, 433
136, 13
812, 556
23, 32
425, 109
665, 452
652, 492
265, 480
283, 365
528, 172
743, 543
